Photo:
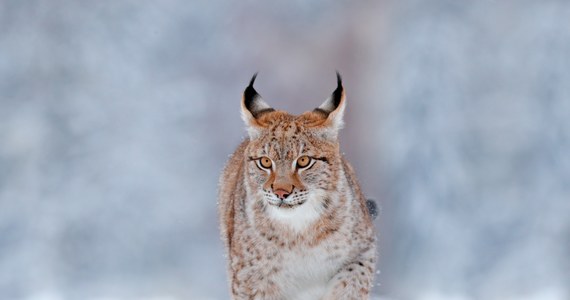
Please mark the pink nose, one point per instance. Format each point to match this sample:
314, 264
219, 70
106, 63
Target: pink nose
281, 193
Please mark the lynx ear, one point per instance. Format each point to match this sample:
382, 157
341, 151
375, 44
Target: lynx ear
333, 110
253, 106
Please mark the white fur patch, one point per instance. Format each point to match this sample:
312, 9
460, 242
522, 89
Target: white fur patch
307, 273
299, 217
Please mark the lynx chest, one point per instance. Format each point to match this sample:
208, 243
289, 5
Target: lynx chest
306, 271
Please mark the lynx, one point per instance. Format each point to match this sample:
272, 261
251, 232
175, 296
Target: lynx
293, 218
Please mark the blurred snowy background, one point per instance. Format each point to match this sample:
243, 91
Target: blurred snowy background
116, 118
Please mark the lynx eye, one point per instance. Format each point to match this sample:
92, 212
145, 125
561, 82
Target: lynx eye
303, 161
265, 162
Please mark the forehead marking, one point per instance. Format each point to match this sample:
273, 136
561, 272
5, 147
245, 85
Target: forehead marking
281, 150
282, 144
266, 149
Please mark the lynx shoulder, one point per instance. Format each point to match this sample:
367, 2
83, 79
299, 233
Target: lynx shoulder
293, 219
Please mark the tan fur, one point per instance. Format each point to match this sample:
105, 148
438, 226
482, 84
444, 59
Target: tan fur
332, 256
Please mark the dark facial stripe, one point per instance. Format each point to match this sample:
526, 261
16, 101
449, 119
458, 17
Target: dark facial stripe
324, 159
311, 166
255, 161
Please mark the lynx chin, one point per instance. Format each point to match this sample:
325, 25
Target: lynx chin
293, 218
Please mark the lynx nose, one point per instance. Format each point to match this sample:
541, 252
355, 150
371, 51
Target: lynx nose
281, 193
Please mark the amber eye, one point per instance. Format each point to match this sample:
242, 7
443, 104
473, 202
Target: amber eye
303, 161
265, 162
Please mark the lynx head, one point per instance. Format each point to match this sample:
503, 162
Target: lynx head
293, 163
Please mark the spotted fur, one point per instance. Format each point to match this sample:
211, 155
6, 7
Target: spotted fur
316, 243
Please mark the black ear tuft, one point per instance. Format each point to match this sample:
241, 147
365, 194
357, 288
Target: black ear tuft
253, 79
337, 94
250, 93
332, 103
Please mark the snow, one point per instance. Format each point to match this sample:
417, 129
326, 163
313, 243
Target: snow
116, 118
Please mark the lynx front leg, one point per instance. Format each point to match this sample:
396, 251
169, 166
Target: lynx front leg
354, 281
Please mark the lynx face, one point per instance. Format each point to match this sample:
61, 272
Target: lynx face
292, 161
288, 163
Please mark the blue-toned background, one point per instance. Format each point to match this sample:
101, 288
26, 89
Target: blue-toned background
116, 118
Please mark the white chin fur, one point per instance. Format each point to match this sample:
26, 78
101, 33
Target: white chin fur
299, 217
